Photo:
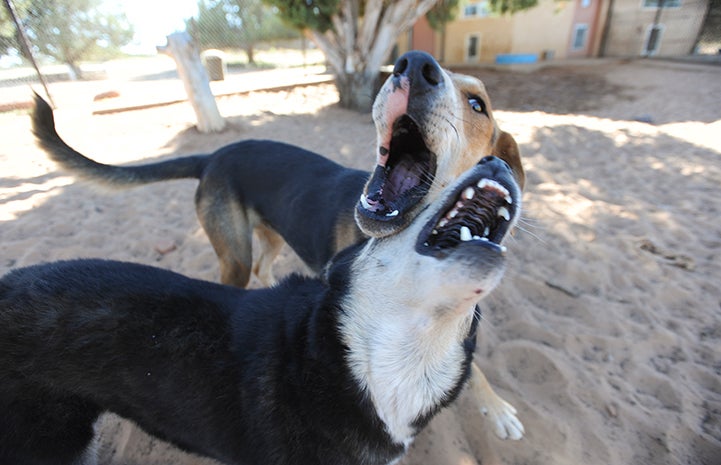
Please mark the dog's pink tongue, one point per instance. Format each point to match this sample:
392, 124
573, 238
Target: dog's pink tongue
396, 106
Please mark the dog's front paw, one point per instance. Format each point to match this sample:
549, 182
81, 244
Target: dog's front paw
500, 413
502, 416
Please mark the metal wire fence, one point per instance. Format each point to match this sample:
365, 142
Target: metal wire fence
87, 44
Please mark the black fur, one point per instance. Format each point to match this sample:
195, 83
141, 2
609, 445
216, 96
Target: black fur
243, 376
302, 195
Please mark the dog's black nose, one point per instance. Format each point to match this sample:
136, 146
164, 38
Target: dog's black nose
420, 68
495, 164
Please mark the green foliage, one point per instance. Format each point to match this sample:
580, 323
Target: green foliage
8, 31
512, 6
74, 30
236, 24
441, 13
307, 14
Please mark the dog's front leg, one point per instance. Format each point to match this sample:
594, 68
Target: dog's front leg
500, 413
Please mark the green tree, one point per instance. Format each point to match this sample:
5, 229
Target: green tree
441, 13
512, 6
73, 30
356, 37
9, 35
237, 24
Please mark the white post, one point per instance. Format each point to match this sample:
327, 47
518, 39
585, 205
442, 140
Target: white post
195, 79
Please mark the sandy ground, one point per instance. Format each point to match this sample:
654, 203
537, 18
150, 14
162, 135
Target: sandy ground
605, 333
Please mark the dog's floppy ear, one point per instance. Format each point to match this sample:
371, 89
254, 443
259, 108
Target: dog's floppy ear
506, 149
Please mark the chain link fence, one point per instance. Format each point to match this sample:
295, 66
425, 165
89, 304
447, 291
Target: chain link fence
88, 46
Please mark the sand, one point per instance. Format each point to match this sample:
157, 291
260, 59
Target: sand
605, 333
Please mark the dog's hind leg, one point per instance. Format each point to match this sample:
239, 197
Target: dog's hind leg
43, 430
270, 244
500, 413
230, 230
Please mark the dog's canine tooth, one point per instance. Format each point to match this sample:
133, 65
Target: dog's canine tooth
466, 234
364, 202
509, 200
482, 183
393, 213
503, 213
468, 193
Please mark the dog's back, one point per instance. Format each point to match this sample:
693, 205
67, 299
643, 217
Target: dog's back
208, 367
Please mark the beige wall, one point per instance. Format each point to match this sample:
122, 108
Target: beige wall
494, 35
544, 27
630, 23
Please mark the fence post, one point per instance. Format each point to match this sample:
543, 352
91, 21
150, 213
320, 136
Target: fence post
187, 59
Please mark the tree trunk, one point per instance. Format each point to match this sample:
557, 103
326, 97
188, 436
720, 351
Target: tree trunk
75, 72
357, 90
195, 79
250, 53
358, 45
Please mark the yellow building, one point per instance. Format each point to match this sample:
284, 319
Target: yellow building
558, 29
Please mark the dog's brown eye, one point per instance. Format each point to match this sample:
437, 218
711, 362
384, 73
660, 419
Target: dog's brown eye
477, 104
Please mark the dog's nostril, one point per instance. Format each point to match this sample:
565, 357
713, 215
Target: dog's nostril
431, 74
486, 159
400, 67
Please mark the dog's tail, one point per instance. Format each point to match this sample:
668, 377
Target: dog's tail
43, 127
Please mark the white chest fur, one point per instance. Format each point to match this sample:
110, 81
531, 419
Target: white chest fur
407, 361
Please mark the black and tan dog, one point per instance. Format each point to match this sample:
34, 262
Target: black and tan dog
341, 370
432, 126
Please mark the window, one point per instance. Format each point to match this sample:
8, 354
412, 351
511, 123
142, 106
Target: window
665, 3
478, 10
472, 48
580, 34
653, 39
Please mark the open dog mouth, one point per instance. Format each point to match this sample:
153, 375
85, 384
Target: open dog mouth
406, 177
479, 212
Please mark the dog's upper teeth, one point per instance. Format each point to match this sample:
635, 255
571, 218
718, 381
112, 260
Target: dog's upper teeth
452, 213
434, 232
466, 234
509, 200
495, 185
503, 213
468, 193
443, 222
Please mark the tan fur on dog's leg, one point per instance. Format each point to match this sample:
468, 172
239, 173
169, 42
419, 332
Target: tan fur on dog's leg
500, 413
270, 243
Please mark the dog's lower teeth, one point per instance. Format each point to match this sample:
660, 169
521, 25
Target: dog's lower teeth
465, 234
486, 232
477, 238
393, 213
